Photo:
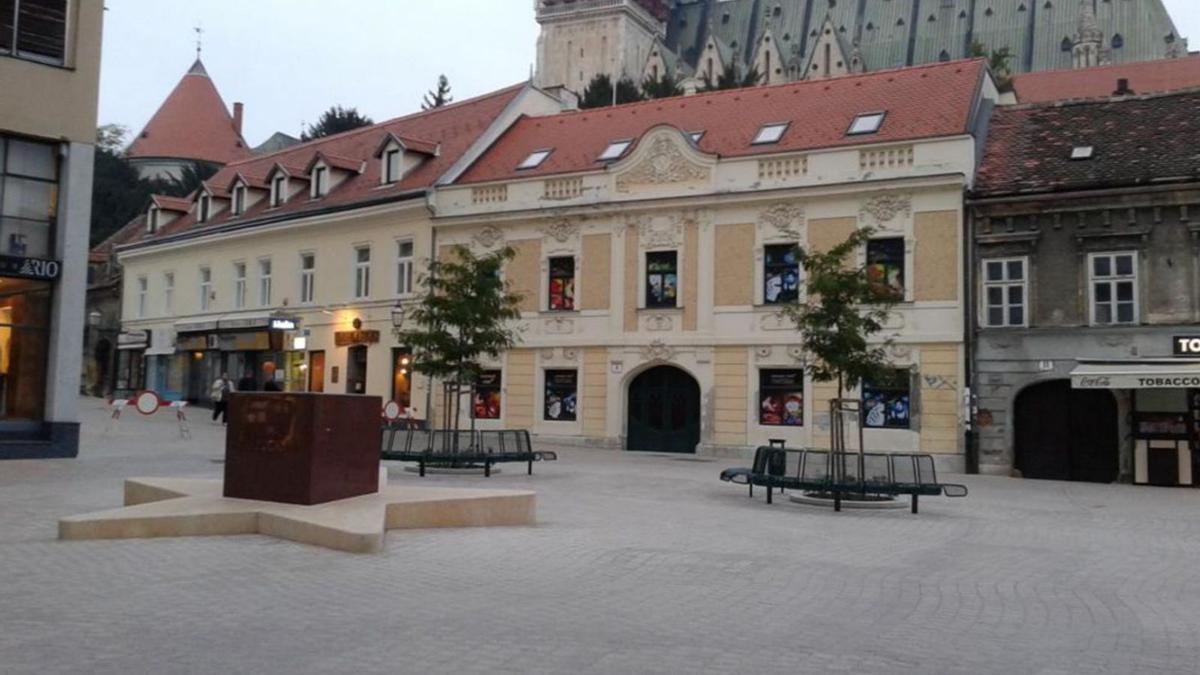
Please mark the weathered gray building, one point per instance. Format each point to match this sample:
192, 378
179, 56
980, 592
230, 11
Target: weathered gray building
1086, 244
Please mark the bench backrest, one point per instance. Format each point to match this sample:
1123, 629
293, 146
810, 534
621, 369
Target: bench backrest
814, 466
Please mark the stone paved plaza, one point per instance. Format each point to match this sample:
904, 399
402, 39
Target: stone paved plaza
641, 564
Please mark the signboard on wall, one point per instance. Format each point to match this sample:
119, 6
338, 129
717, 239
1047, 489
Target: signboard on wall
348, 338
1186, 345
29, 268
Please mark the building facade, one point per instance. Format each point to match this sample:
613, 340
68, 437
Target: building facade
655, 245
49, 76
1085, 279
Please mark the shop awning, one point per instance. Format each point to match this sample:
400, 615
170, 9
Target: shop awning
268, 320
196, 326
1182, 374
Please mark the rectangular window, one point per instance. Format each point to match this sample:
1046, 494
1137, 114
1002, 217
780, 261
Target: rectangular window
152, 220
562, 284
781, 274
770, 133
264, 282
867, 123
662, 279
561, 395
143, 290
28, 197
318, 181
278, 190
404, 267
25, 311
362, 271
535, 159
205, 207
781, 397
391, 166
239, 200
1004, 293
308, 277
885, 265
169, 293
239, 285
205, 289
487, 395
1114, 288
37, 28
888, 405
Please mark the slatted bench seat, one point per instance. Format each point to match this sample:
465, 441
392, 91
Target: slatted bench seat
460, 448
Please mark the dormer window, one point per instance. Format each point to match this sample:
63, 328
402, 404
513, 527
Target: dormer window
535, 159
866, 123
391, 165
204, 208
770, 133
615, 150
152, 220
278, 190
239, 199
320, 181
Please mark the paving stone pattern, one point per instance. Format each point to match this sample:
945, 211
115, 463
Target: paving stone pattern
641, 564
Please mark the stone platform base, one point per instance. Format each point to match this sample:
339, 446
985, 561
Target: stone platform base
180, 507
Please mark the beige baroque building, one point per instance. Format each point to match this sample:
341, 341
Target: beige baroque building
652, 247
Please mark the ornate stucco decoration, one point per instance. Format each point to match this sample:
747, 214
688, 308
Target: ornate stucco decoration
654, 233
558, 326
561, 231
658, 350
775, 321
488, 237
882, 210
663, 162
783, 218
659, 323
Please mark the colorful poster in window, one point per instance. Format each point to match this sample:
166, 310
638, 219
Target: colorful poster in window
885, 264
561, 395
486, 405
888, 406
781, 274
662, 279
781, 397
562, 284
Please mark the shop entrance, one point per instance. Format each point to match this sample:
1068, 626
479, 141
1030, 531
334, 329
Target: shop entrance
664, 411
316, 372
356, 370
24, 342
1062, 433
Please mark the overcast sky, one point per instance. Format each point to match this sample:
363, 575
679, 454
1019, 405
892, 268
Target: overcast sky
288, 60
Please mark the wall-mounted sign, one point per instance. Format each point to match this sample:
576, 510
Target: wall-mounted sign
29, 268
299, 343
283, 324
136, 339
347, 338
1186, 345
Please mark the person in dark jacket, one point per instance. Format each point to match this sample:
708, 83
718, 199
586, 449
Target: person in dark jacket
247, 383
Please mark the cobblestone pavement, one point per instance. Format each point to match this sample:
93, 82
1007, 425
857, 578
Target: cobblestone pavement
640, 564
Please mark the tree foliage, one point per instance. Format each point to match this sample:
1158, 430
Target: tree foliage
999, 62
439, 97
844, 309
732, 77
599, 92
334, 121
466, 312
663, 87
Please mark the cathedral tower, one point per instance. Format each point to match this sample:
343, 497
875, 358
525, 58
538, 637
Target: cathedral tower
584, 38
1088, 49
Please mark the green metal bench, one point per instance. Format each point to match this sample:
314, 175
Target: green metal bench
460, 448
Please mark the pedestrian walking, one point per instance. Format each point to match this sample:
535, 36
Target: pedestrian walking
222, 387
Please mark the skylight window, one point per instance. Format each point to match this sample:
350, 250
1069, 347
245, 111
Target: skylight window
615, 150
770, 133
535, 159
866, 123
696, 136
1080, 152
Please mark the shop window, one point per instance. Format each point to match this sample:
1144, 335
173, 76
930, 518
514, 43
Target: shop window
37, 29
562, 284
143, 290
1114, 288
888, 404
308, 277
562, 391
239, 285
24, 344
206, 289
404, 267
264, 282
781, 274
402, 376
487, 395
362, 271
885, 265
1004, 293
781, 397
28, 197
662, 279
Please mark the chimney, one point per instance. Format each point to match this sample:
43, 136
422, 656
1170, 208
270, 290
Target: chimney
237, 117
1123, 88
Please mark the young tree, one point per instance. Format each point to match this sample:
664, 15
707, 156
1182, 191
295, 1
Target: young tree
334, 121
599, 92
663, 87
466, 312
438, 97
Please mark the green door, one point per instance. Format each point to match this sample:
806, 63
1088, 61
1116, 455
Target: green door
664, 411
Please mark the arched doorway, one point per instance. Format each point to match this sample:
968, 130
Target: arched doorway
664, 411
1062, 433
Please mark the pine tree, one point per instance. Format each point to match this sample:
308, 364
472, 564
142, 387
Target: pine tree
334, 121
730, 77
599, 92
663, 87
438, 97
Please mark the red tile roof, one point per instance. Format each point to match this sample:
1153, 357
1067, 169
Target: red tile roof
166, 203
1147, 140
1145, 77
455, 127
131, 232
921, 102
192, 123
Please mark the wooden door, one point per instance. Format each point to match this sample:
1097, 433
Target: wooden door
664, 411
316, 372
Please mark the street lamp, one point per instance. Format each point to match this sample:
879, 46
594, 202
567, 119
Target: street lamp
398, 316
93, 318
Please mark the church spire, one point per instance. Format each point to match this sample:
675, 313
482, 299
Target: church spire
1088, 49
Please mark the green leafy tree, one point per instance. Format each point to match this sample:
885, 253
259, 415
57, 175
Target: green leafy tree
334, 121
466, 312
438, 97
844, 309
599, 92
663, 87
999, 62
731, 77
